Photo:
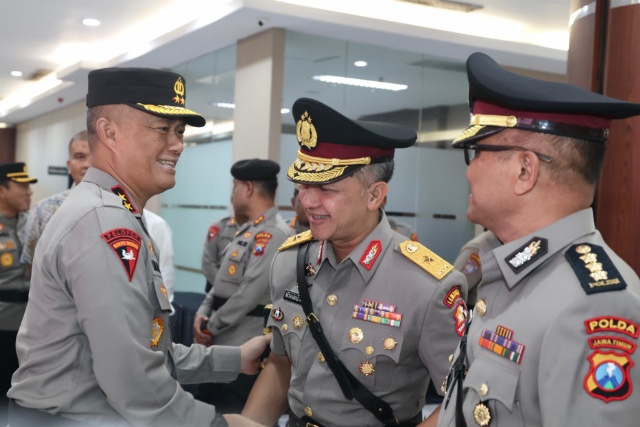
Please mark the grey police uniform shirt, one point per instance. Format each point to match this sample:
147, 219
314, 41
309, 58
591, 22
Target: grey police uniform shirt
14, 283
218, 237
469, 261
555, 346
405, 229
395, 361
243, 279
295, 226
95, 343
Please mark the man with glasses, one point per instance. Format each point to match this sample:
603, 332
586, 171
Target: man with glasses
555, 328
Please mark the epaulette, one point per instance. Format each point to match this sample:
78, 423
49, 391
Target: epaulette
594, 268
425, 258
305, 236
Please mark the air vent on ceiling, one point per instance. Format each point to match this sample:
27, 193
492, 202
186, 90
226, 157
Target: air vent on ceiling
448, 4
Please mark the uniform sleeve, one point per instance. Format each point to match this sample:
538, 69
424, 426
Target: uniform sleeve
32, 232
197, 364
252, 289
116, 317
468, 262
589, 366
163, 237
207, 304
443, 325
210, 253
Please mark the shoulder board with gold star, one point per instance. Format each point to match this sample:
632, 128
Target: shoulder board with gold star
292, 241
425, 258
595, 270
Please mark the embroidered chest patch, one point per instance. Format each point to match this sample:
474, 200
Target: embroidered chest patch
126, 244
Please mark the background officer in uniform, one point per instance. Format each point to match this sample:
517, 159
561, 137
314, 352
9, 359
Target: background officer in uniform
468, 262
554, 336
392, 310
218, 237
232, 312
401, 227
95, 343
77, 165
300, 222
15, 199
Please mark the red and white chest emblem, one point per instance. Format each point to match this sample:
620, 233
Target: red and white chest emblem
126, 244
213, 232
371, 254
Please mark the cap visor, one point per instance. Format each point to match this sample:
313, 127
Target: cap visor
192, 118
475, 133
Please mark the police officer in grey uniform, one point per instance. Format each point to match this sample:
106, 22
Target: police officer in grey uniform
95, 343
218, 237
554, 336
391, 309
401, 227
15, 199
233, 311
468, 261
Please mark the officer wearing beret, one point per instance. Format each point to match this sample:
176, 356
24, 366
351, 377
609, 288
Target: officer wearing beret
390, 310
554, 336
15, 199
232, 312
218, 237
95, 344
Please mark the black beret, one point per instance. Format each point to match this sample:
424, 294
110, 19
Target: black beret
333, 146
15, 172
158, 92
500, 99
255, 170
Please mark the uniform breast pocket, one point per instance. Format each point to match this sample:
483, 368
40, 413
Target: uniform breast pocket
9, 256
234, 264
371, 351
491, 389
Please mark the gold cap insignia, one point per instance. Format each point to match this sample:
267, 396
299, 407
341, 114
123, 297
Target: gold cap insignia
306, 132
178, 88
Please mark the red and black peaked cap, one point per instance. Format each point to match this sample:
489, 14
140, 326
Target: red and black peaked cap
158, 92
333, 146
500, 99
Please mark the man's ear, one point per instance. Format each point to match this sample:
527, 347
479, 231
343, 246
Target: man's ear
528, 174
106, 131
376, 194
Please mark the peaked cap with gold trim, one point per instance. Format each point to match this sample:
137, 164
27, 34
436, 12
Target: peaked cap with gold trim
158, 92
500, 99
333, 146
16, 172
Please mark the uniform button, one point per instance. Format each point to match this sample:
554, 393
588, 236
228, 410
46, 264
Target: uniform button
308, 412
285, 327
481, 307
369, 350
320, 357
332, 299
450, 358
484, 389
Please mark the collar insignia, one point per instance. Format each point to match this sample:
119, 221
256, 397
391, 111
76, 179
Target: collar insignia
119, 191
371, 254
527, 254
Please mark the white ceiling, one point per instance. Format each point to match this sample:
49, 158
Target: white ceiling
44, 35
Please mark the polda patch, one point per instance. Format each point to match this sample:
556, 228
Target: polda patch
608, 378
126, 244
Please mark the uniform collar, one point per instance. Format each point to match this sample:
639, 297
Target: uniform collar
517, 259
267, 215
109, 183
366, 257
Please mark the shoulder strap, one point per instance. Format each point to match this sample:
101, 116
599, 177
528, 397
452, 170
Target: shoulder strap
349, 384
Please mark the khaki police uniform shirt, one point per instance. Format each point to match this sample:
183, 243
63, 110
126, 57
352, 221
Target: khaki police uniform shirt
13, 280
218, 237
394, 362
468, 261
545, 348
243, 279
95, 344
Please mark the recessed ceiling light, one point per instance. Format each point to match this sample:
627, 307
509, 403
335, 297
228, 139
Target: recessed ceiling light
372, 84
360, 63
284, 111
89, 22
16, 73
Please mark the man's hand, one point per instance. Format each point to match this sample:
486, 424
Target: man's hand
250, 353
200, 336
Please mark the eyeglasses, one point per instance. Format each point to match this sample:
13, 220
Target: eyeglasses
470, 151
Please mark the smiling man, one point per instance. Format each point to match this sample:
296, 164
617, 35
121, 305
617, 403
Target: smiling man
391, 310
95, 345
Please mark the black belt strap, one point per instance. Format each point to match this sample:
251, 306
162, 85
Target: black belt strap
349, 384
14, 295
457, 377
218, 302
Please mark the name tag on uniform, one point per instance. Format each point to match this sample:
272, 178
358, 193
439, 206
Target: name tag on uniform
293, 297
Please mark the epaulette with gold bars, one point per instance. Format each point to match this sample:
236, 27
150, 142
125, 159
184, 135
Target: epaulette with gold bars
292, 241
425, 258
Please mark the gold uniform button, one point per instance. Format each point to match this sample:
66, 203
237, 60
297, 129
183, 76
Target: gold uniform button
390, 344
484, 389
320, 357
285, 327
450, 358
481, 307
308, 412
332, 299
369, 350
